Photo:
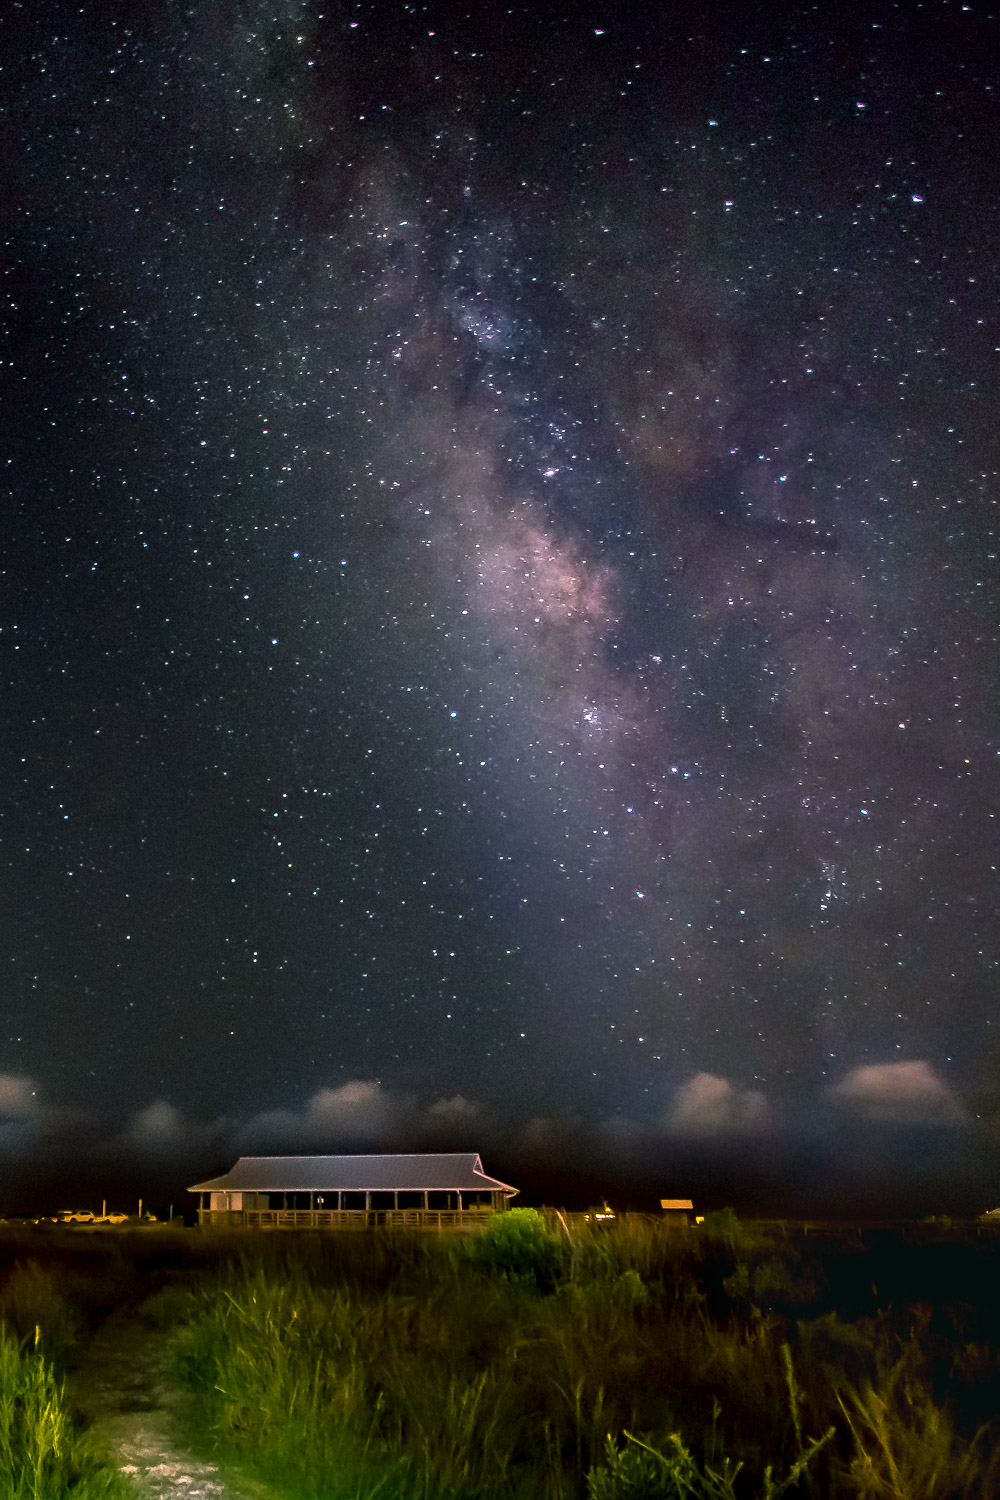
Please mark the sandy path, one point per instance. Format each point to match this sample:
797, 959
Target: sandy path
124, 1386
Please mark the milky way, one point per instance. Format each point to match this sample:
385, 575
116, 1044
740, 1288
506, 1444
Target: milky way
501, 597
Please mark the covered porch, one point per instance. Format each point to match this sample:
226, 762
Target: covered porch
398, 1209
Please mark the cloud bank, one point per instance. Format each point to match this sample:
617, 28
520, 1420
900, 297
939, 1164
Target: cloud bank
906, 1093
706, 1125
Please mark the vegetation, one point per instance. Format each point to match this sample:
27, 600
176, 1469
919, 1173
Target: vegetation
625, 1363
535, 1361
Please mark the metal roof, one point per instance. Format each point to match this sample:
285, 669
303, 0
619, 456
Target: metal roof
676, 1203
458, 1171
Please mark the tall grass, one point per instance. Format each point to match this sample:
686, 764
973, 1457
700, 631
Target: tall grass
48, 1301
630, 1364
42, 1454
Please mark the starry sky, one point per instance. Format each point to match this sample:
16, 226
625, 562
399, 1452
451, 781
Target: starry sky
498, 587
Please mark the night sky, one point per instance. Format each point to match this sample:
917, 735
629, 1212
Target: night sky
499, 590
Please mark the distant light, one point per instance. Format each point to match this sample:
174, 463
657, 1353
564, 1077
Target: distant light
859, 106
598, 30
916, 198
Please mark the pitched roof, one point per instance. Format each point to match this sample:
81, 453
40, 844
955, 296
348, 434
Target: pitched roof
676, 1203
461, 1171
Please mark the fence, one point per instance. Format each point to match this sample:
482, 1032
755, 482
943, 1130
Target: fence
434, 1221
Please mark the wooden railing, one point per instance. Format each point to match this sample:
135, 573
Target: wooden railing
428, 1219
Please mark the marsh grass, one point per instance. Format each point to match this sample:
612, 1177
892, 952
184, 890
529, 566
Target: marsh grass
628, 1364
53, 1291
43, 1455
537, 1363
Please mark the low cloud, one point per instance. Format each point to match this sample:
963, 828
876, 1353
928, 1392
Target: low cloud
21, 1117
708, 1106
18, 1097
28, 1122
159, 1124
360, 1112
160, 1131
456, 1113
908, 1093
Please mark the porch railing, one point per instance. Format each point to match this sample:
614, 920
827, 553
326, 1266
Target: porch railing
429, 1219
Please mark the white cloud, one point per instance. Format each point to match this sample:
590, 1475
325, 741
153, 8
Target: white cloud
18, 1098
541, 1134
711, 1106
21, 1116
158, 1124
454, 1113
904, 1092
360, 1112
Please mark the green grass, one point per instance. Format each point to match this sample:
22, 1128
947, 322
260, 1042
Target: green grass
43, 1455
53, 1291
531, 1363
628, 1364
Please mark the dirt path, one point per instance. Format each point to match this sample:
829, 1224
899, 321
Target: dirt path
124, 1386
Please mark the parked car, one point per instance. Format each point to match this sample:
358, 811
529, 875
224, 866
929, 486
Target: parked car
111, 1219
74, 1216
602, 1215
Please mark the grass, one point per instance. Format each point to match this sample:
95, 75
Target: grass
54, 1290
43, 1455
625, 1363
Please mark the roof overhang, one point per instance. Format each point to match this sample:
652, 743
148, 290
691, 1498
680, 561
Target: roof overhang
453, 1172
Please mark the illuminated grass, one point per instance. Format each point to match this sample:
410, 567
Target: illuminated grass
634, 1365
42, 1455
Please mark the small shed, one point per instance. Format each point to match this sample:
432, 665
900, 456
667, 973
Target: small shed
677, 1211
432, 1191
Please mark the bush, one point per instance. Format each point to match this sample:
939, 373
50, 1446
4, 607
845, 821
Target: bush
518, 1247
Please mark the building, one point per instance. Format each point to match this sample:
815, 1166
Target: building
679, 1211
440, 1191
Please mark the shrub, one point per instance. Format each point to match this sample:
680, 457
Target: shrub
518, 1247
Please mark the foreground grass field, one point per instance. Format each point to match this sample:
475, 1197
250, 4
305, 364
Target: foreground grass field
532, 1363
